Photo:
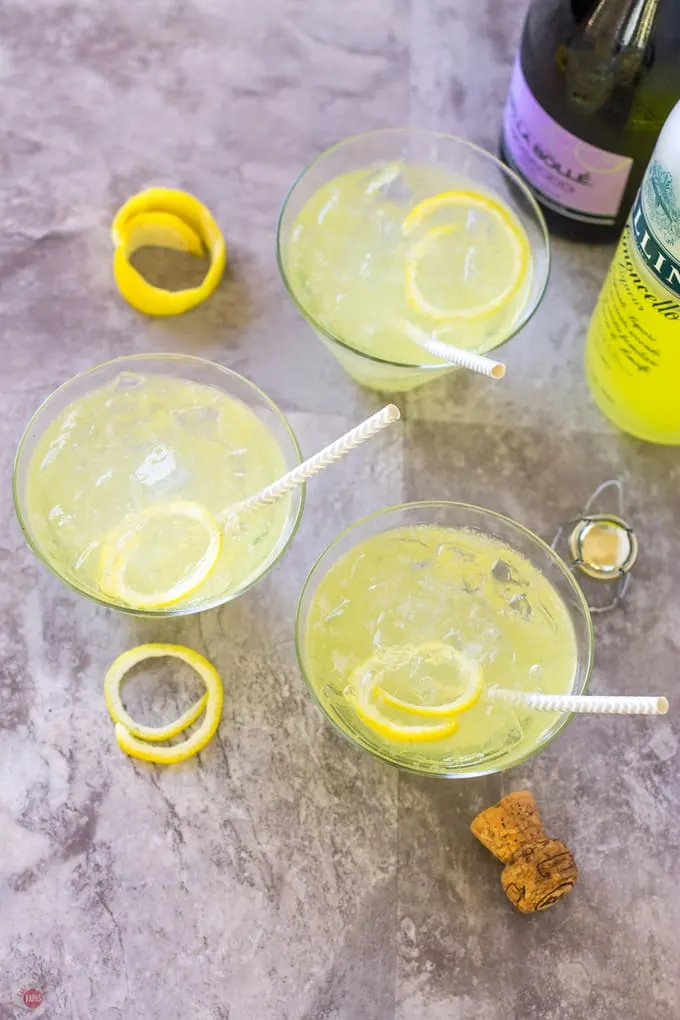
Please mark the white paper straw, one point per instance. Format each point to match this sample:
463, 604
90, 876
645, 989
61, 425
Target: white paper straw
299, 475
454, 355
605, 704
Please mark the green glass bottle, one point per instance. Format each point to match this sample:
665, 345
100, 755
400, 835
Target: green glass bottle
593, 82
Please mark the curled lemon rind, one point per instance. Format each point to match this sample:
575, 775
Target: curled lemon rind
138, 740
168, 218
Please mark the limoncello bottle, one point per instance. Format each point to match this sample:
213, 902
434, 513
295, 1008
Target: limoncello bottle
633, 346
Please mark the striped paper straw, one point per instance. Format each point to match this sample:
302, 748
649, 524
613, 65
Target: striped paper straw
321, 460
454, 355
605, 704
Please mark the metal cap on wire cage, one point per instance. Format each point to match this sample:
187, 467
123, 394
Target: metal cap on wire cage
601, 546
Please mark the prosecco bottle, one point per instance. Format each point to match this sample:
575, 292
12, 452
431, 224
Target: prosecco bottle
593, 83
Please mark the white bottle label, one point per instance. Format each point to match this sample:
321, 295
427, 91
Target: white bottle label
656, 226
568, 175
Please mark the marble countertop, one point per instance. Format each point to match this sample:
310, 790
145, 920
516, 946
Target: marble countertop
285, 875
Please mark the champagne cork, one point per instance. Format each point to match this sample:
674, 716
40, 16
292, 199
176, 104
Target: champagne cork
538, 870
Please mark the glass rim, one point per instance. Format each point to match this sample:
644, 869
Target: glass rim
168, 611
564, 719
427, 366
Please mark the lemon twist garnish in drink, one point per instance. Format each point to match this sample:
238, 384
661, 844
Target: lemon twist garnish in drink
460, 669
119, 548
442, 252
370, 689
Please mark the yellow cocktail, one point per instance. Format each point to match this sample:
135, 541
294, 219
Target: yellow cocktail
397, 235
124, 474
411, 619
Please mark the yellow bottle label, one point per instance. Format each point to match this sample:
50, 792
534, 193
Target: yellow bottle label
633, 348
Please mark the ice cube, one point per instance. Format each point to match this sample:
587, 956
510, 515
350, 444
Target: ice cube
128, 381
390, 184
377, 183
60, 441
338, 609
365, 267
326, 208
488, 641
460, 554
520, 605
548, 617
200, 421
158, 465
86, 552
103, 478
472, 579
469, 267
505, 573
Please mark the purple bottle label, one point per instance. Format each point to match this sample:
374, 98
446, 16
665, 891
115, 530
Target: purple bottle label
568, 175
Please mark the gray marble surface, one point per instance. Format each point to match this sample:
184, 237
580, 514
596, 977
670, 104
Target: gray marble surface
284, 875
